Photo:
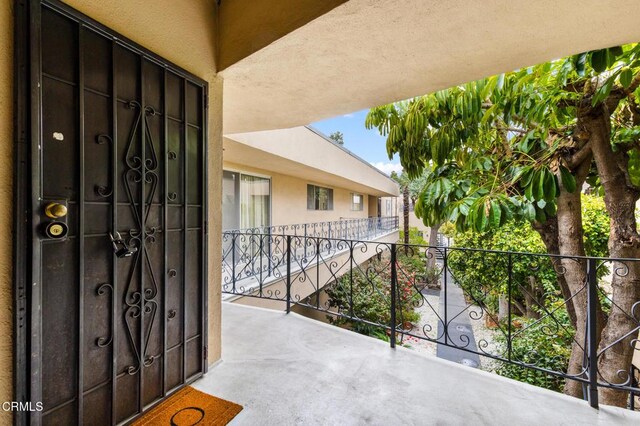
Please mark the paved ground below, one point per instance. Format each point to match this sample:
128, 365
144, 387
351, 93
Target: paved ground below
460, 331
291, 370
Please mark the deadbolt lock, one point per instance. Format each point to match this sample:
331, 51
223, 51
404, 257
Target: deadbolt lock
55, 210
56, 230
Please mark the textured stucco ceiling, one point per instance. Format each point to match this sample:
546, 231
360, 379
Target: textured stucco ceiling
370, 52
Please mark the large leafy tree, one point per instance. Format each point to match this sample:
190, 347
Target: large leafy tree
522, 144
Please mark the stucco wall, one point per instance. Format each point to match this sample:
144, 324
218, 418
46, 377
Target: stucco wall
289, 199
6, 194
249, 25
183, 33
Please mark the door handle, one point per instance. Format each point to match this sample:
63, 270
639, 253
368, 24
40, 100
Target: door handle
55, 210
120, 247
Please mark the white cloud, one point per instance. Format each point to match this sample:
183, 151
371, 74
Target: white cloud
348, 116
388, 167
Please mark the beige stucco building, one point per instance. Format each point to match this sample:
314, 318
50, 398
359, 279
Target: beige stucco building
246, 66
287, 163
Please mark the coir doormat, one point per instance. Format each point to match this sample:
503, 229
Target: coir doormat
189, 407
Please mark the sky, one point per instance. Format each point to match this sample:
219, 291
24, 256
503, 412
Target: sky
368, 144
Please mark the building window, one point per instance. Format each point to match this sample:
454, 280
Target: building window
357, 202
246, 201
319, 198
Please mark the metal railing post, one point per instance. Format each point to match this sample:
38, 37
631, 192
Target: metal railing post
592, 300
260, 253
634, 383
394, 285
445, 283
509, 322
233, 261
288, 273
305, 240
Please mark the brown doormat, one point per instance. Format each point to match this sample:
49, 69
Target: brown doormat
189, 407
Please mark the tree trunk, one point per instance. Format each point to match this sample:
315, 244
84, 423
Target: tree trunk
548, 231
533, 297
433, 242
571, 243
618, 337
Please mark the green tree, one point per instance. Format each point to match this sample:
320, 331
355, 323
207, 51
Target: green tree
337, 137
524, 143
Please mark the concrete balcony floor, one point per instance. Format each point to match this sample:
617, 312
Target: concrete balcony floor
288, 369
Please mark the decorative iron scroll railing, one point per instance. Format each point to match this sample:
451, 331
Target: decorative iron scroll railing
343, 229
258, 253
522, 295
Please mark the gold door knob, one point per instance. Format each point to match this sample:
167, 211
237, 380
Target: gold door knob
55, 210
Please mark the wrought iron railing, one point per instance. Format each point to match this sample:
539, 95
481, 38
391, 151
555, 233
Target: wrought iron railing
257, 254
521, 296
342, 229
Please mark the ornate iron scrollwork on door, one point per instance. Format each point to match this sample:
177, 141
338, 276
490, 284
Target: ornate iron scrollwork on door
141, 170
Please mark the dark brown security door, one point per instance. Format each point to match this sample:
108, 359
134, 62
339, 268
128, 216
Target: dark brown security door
118, 215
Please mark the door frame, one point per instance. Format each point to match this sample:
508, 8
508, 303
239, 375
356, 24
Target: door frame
26, 262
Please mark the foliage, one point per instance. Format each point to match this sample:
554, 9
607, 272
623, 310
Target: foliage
366, 291
337, 137
595, 224
505, 146
415, 236
367, 294
544, 344
484, 276
509, 147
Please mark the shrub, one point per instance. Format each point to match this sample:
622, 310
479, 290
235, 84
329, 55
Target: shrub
415, 237
542, 343
366, 290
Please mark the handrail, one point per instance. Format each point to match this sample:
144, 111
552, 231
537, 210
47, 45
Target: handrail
342, 228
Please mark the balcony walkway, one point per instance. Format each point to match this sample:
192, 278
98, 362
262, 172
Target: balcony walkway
288, 369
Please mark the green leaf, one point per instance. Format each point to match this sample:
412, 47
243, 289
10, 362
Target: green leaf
599, 60
568, 180
495, 214
530, 212
579, 62
538, 189
614, 52
528, 191
603, 91
551, 209
527, 176
500, 82
481, 219
550, 188
626, 76
507, 214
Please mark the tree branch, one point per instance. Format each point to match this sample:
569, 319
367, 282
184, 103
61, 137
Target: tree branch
575, 87
578, 157
566, 103
619, 92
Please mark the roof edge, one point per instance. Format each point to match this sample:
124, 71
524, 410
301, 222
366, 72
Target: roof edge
357, 157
